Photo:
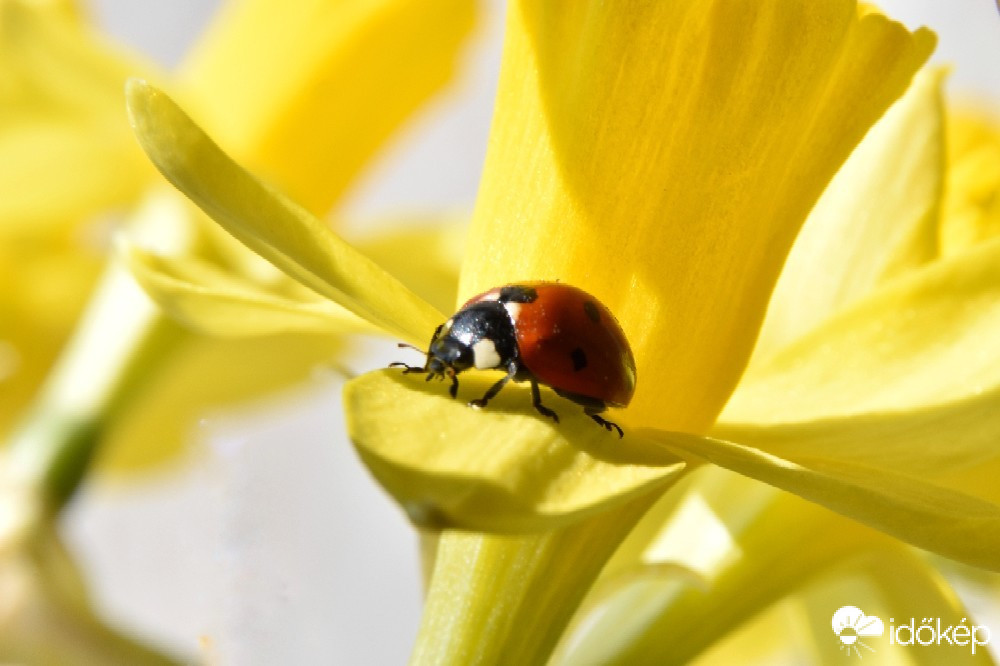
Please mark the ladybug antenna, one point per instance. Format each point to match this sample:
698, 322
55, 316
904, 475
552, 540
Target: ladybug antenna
406, 345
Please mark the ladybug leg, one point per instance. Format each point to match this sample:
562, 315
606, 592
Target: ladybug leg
453, 389
536, 400
491, 393
607, 425
407, 368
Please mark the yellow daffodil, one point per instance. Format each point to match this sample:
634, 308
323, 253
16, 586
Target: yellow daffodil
665, 158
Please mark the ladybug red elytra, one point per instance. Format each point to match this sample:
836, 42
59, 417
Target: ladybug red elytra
543, 332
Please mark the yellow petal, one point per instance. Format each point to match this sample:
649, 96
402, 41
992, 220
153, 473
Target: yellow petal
971, 211
928, 338
65, 148
663, 156
938, 519
930, 441
775, 636
271, 224
503, 468
425, 258
213, 302
878, 215
306, 92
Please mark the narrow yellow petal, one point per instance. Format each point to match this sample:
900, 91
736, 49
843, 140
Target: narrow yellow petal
65, 148
663, 156
306, 92
945, 521
426, 258
878, 215
930, 337
271, 224
971, 212
211, 301
501, 469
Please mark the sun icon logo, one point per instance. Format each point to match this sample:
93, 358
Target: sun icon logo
850, 624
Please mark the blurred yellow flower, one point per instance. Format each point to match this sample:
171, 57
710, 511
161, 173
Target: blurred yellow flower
67, 158
263, 71
130, 379
665, 158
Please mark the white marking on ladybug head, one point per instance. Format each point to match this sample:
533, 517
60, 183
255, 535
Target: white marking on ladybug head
484, 354
513, 310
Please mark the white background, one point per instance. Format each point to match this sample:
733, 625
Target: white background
270, 540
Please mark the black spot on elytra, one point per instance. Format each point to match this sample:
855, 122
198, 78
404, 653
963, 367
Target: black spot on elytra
579, 359
518, 294
592, 311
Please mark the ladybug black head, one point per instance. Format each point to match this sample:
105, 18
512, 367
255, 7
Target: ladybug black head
448, 355
480, 335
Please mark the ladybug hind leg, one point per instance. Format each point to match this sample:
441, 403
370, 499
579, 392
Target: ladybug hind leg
608, 425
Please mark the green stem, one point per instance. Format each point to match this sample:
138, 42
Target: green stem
507, 599
120, 339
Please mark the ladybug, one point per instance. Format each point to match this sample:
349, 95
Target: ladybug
542, 332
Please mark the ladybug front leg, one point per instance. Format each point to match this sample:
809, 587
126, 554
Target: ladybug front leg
536, 400
407, 369
490, 394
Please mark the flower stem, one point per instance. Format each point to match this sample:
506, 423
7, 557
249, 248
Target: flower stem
507, 599
119, 340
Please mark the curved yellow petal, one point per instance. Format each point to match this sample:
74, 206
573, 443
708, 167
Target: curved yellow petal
211, 301
271, 224
928, 338
65, 147
971, 211
929, 441
306, 92
877, 216
939, 519
501, 469
663, 155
